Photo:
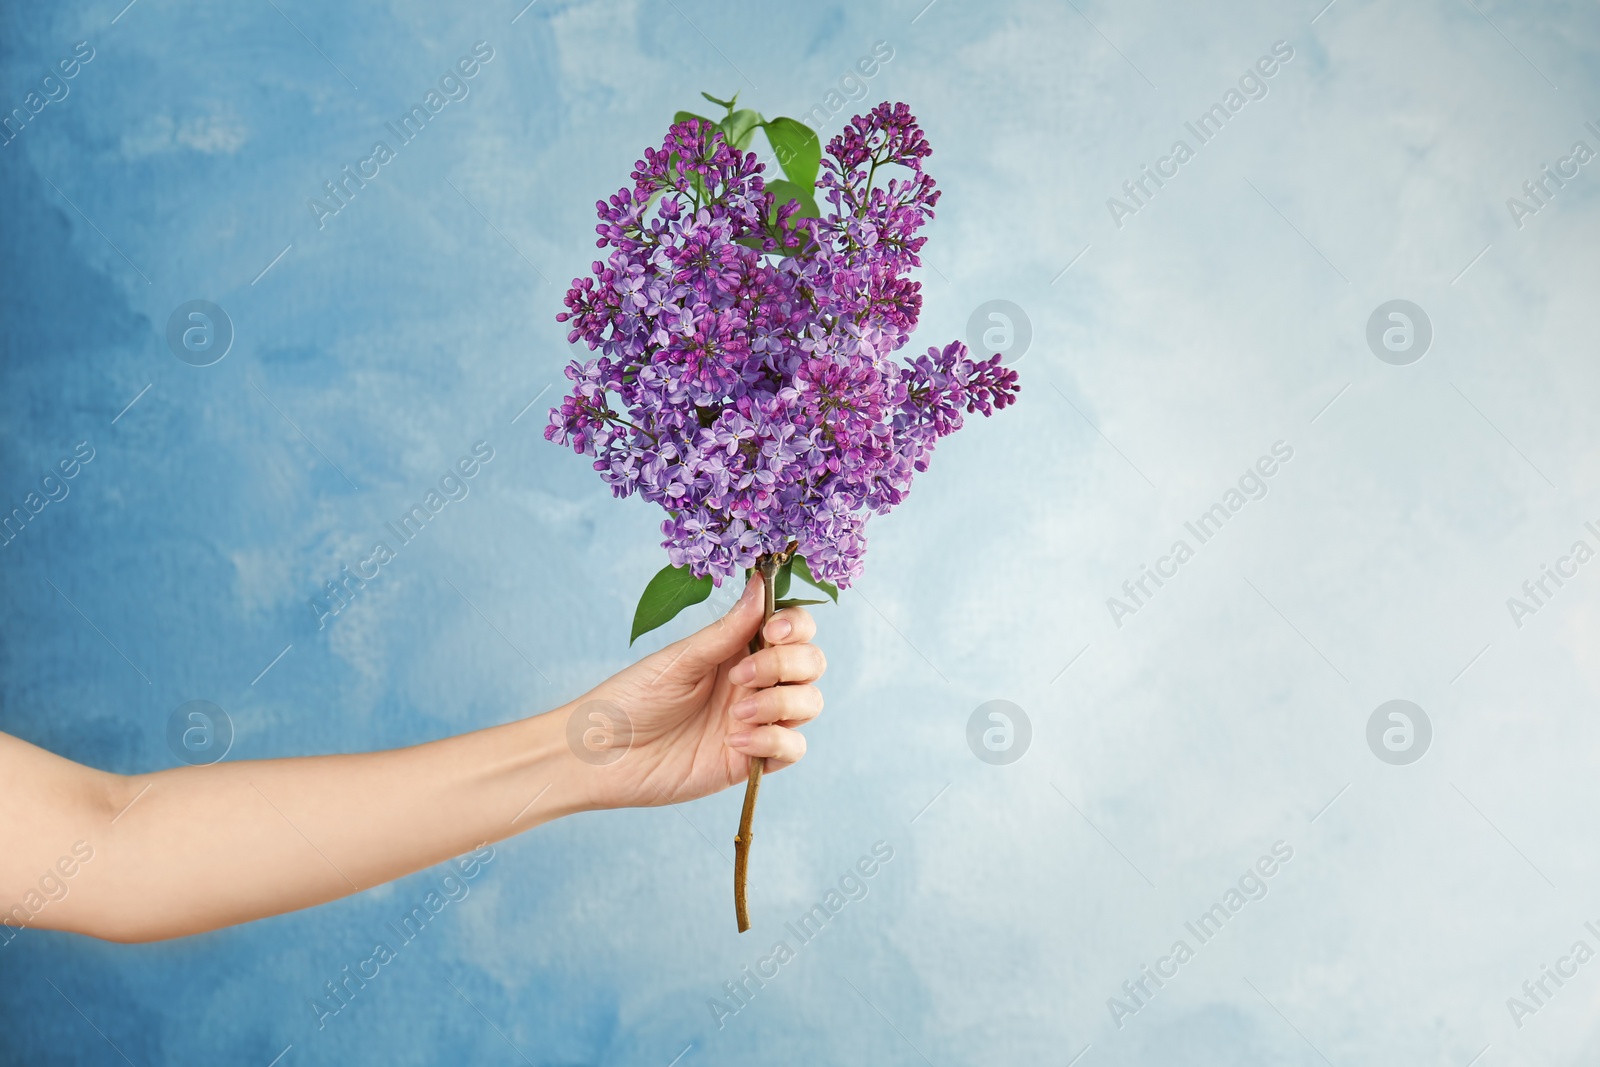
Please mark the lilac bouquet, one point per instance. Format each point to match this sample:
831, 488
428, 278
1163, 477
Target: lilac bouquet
747, 381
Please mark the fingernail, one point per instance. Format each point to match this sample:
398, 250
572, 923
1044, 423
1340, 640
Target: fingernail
743, 674
744, 709
740, 739
778, 629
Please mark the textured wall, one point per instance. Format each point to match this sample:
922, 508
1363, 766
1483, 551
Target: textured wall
1179, 332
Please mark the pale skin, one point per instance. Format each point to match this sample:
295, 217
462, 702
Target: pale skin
191, 849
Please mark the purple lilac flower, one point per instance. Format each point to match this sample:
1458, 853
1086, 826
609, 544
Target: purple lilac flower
754, 395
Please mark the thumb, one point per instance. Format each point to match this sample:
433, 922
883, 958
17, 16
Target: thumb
728, 635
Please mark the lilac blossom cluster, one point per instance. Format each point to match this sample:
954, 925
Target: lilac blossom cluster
746, 380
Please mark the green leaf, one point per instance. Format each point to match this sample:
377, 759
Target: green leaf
739, 127
722, 103
797, 148
669, 592
780, 587
804, 571
685, 116
785, 191
782, 192
779, 605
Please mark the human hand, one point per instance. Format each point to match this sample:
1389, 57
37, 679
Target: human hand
690, 717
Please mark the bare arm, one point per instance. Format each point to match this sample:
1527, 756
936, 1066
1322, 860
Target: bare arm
193, 848
144, 857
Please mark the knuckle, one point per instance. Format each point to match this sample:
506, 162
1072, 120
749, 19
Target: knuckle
776, 663
765, 663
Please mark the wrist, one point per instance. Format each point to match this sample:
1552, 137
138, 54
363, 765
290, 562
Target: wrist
539, 772
593, 738
577, 750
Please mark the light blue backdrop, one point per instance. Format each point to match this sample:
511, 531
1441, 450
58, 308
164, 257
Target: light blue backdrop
1177, 336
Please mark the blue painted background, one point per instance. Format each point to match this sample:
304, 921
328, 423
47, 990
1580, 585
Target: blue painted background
1171, 348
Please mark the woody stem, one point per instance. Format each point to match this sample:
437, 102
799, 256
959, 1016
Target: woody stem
767, 567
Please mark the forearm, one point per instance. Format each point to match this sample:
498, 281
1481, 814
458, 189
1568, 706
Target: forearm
195, 848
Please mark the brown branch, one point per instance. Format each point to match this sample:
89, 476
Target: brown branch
767, 566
